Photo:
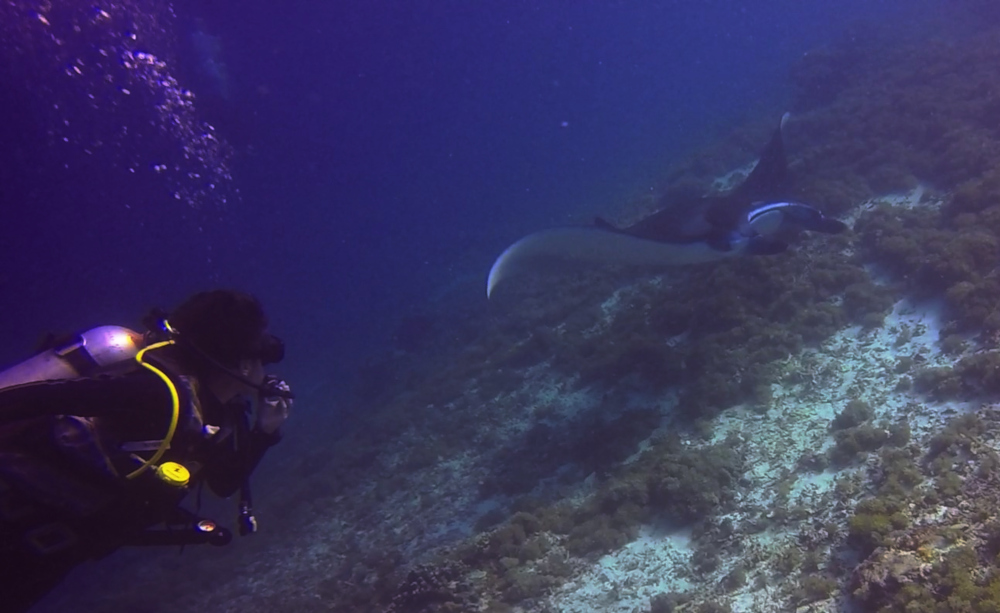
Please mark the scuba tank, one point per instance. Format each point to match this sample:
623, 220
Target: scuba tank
66, 504
97, 350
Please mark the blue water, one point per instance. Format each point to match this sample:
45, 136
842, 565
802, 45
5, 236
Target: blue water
381, 154
379, 150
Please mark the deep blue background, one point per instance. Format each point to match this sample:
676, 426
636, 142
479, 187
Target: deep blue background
386, 149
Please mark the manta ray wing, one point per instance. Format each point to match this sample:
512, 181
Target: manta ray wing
767, 181
688, 231
589, 246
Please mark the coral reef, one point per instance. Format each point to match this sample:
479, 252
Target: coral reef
575, 481
919, 560
795, 432
430, 588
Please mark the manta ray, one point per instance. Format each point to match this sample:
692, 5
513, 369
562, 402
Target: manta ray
741, 222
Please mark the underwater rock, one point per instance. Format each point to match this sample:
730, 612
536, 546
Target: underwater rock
884, 572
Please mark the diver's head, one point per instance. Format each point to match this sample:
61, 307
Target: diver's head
247, 385
223, 334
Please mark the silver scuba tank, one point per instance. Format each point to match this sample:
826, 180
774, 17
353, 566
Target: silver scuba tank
97, 350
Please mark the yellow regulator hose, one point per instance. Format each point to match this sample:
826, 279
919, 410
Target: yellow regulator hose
175, 412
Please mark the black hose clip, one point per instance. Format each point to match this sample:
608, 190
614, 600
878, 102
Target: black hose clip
246, 521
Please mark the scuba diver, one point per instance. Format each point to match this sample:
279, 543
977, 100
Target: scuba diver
103, 434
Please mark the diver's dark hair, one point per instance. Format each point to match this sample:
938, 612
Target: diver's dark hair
225, 324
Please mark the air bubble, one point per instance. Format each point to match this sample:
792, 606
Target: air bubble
89, 45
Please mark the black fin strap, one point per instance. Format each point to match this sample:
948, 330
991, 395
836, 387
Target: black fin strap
246, 521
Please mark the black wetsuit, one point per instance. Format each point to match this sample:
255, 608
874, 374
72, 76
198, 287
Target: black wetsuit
57, 509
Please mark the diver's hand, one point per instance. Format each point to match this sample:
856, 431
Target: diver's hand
272, 411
